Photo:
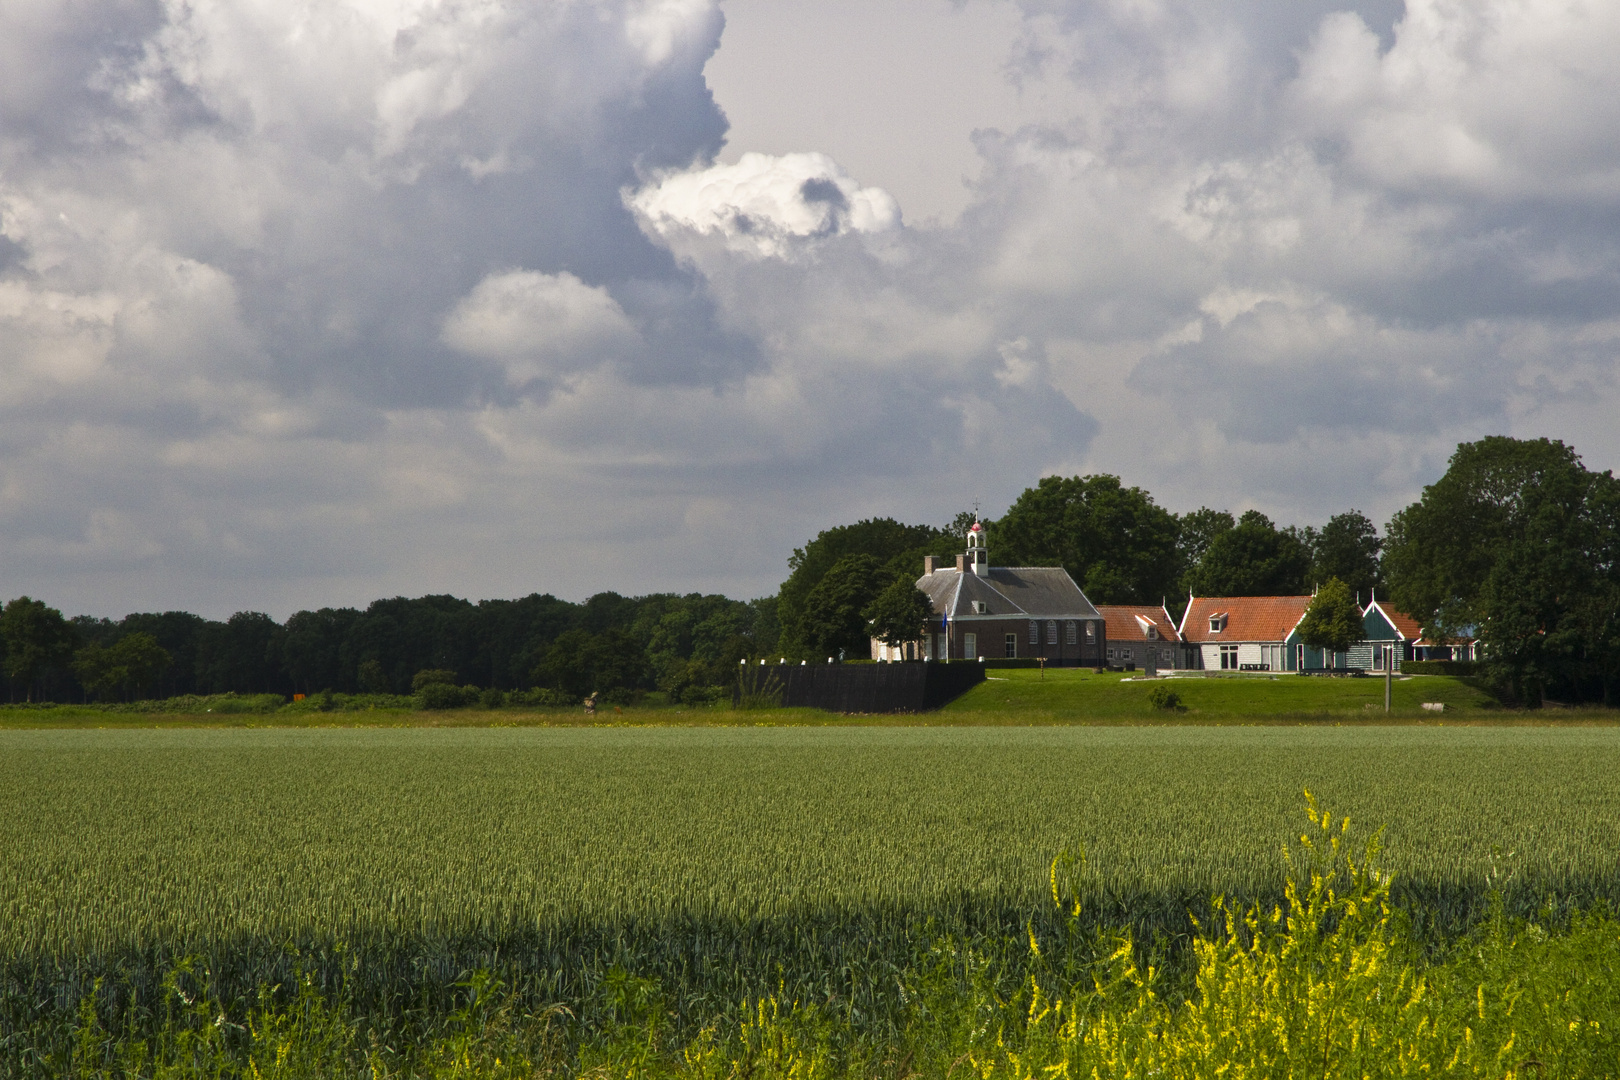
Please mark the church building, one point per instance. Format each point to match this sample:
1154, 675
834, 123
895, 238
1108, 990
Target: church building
1004, 612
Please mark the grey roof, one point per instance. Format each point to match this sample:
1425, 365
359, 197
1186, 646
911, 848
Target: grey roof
1036, 592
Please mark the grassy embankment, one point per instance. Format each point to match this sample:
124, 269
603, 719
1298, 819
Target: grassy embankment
1007, 697
879, 885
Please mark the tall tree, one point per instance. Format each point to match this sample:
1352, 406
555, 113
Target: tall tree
1519, 544
1332, 622
128, 667
1347, 548
897, 548
1253, 558
36, 637
1439, 551
1115, 541
899, 614
1196, 531
833, 621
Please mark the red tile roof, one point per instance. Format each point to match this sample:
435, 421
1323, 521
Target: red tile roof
1124, 622
1249, 618
1408, 626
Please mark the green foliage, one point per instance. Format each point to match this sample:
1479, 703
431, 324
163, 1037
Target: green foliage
1332, 621
1347, 548
1117, 544
1165, 699
1195, 532
896, 548
1520, 543
833, 623
899, 614
580, 663
1253, 558
36, 638
1441, 549
431, 677
127, 668
445, 695
1439, 667
759, 685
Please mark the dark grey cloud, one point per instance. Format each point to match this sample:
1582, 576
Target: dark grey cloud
302, 304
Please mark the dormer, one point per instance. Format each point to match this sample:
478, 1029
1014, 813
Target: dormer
1217, 623
980, 607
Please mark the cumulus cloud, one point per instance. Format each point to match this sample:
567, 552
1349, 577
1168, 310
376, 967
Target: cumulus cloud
304, 303
540, 325
764, 205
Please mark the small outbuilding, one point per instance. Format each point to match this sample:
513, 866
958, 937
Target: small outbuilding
1144, 637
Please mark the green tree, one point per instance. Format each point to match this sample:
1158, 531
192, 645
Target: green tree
1332, 622
127, 667
36, 637
1519, 544
1347, 548
899, 614
897, 548
833, 623
1196, 530
580, 662
1439, 551
1253, 558
1117, 544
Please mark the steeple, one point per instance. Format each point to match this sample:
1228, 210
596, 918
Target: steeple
977, 557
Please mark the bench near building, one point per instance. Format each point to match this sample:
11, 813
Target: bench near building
1004, 612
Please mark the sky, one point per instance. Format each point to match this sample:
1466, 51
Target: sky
309, 302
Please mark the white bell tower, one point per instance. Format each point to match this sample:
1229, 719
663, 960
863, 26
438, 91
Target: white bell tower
978, 559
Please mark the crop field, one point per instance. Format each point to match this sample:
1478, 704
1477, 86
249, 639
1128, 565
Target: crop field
113, 839
725, 862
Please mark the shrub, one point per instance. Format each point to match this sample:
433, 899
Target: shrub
432, 677
541, 698
441, 695
1440, 667
1162, 697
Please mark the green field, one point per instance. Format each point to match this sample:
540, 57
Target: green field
134, 838
720, 863
1018, 696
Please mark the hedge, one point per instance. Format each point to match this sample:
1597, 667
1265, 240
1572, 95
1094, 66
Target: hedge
1439, 667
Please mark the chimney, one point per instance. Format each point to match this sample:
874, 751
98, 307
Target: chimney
928, 564
961, 564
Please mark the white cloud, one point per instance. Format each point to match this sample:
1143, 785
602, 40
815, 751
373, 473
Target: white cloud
304, 303
764, 205
540, 325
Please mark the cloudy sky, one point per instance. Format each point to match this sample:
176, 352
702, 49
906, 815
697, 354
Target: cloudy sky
305, 302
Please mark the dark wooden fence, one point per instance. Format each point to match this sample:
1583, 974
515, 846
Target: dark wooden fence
912, 686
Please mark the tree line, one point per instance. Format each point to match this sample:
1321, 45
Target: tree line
1517, 545
679, 644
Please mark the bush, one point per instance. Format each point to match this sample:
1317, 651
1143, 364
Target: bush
1440, 667
701, 695
432, 677
541, 698
491, 699
1162, 697
441, 695
326, 701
